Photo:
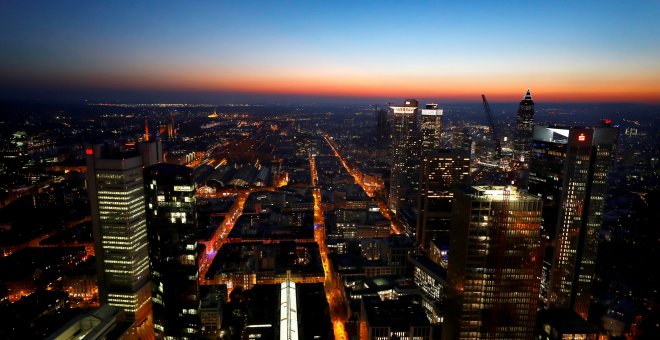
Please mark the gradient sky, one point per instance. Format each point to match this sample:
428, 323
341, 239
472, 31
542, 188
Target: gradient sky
562, 50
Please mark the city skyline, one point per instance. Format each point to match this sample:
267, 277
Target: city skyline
301, 195
573, 52
329, 170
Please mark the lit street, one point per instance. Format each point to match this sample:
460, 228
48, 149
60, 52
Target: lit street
333, 293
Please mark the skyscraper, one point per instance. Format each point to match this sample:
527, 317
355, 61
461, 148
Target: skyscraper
524, 124
173, 252
382, 127
405, 156
441, 171
116, 195
494, 264
431, 127
568, 169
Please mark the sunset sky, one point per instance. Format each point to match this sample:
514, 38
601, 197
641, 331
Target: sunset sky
562, 50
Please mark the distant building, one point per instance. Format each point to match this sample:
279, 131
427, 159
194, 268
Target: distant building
438, 252
116, 195
442, 170
568, 169
173, 249
211, 308
431, 127
382, 127
430, 277
394, 319
524, 126
562, 324
405, 156
106, 322
82, 286
350, 223
495, 261
287, 311
395, 251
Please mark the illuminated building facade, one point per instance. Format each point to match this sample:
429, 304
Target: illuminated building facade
524, 125
569, 171
431, 127
116, 195
441, 171
405, 155
430, 277
495, 261
173, 250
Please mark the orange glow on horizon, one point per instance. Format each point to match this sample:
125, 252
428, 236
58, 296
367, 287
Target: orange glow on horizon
578, 87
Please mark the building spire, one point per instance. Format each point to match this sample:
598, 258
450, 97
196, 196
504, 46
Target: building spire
146, 128
528, 95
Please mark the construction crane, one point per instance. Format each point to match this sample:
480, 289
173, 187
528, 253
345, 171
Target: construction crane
496, 138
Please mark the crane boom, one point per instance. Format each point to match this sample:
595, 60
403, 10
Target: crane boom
489, 115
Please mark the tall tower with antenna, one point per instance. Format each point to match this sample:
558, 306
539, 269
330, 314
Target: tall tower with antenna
522, 142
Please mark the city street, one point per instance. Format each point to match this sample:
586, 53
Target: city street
336, 302
371, 189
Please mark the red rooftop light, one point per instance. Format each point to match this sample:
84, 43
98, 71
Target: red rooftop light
89, 152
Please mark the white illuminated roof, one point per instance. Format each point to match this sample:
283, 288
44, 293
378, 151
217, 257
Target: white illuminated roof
288, 311
431, 112
498, 193
403, 109
551, 134
563, 132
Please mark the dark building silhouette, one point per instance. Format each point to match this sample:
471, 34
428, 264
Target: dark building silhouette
173, 250
382, 127
524, 125
495, 258
568, 169
441, 171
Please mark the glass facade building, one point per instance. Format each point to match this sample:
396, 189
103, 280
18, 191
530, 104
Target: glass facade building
405, 156
431, 127
569, 169
495, 259
173, 250
441, 171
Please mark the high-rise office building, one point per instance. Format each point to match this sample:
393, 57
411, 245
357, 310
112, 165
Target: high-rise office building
173, 251
382, 126
116, 195
524, 125
459, 139
404, 176
495, 261
441, 171
431, 127
568, 169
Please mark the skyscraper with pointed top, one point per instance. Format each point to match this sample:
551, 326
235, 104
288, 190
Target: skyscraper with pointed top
524, 127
